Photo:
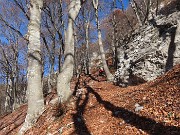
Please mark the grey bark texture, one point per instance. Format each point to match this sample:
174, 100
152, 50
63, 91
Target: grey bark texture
87, 47
34, 88
64, 78
115, 36
103, 58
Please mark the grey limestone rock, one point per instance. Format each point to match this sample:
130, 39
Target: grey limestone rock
150, 51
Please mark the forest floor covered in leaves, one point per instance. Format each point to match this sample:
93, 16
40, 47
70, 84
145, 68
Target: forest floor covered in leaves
100, 108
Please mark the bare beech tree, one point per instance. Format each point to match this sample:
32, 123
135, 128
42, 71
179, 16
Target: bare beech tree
12, 66
103, 58
64, 78
88, 16
86, 27
7, 67
34, 88
114, 36
10, 71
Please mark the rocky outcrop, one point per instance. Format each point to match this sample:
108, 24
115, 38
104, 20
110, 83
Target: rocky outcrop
150, 51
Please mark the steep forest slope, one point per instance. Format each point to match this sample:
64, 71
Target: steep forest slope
100, 108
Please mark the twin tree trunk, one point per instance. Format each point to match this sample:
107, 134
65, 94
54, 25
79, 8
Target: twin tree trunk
66, 74
103, 58
34, 80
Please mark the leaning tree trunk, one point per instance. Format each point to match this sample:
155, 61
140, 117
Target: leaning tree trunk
34, 80
64, 78
103, 58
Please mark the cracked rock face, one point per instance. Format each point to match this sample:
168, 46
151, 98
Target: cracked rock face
150, 51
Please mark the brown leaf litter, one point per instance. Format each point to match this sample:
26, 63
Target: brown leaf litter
101, 108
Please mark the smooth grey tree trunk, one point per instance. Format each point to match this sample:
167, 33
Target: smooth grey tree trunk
15, 77
52, 64
103, 58
61, 51
114, 36
65, 76
87, 47
34, 80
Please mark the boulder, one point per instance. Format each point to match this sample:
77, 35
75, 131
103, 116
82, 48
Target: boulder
149, 52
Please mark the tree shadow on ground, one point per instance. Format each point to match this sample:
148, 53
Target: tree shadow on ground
76, 86
148, 125
94, 78
79, 121
98, 78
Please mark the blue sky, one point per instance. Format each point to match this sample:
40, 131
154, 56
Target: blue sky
126, 3
103, 13
24, 29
